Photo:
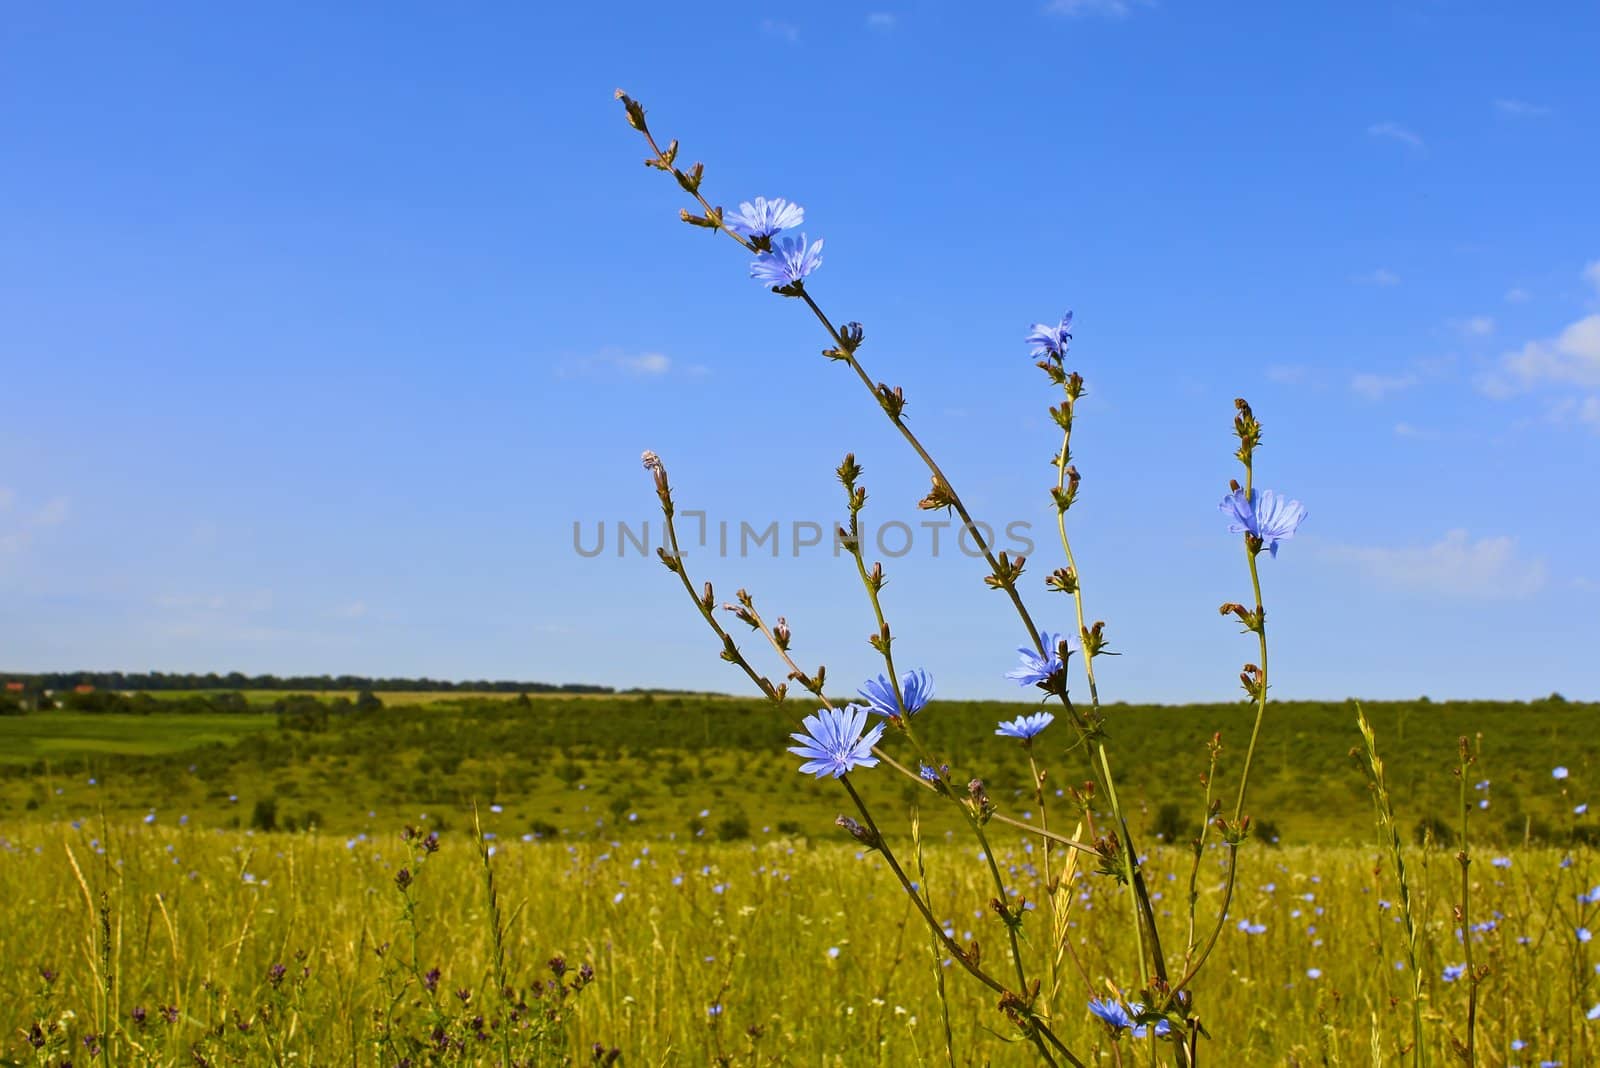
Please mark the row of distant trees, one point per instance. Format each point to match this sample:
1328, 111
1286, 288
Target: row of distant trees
155, 681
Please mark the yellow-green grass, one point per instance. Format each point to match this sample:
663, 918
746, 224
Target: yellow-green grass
815, 946
51, 737
625, 766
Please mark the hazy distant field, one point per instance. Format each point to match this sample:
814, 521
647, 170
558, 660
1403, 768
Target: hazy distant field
670, 843
599, 766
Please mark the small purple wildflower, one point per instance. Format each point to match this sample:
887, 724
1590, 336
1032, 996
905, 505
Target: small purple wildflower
1266, 515
1024, 728
833, 741
1051, 341
1111, 1013
916, 689
763, 218
791, 261
1036, 669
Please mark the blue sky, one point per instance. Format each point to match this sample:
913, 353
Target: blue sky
324, 327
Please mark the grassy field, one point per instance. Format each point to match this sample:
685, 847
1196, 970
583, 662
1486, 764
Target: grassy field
608, 766
770, 952
669, 844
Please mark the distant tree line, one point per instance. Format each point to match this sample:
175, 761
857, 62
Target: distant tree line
155, 681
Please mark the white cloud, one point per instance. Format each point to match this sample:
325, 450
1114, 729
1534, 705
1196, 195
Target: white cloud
1288, 374
1569, 411
881, 20
1115, 9
353, 610
1571, 357
1376, 387
1519, 108
648, 363
53, 514
631, 364
1406, 430
1518, 295
250, 602
1456, 566
1476, 326
787, 31
1380, 277
1393, 131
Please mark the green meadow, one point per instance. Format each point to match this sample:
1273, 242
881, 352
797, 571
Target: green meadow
594, 767
194, 887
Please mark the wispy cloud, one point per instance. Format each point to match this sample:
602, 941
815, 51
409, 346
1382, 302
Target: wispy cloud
1519, 108
1576, 411
1393, 131
881, 20
629, 364
1114, 9
1456, 566
1406, 430
1375, 387
248, 602
1571, 359
21, 528
1380, 277
784, 31
53, 513
1288, 374
1474, 326
1518, 295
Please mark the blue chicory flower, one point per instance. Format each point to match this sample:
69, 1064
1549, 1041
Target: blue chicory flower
1025, 727
1454, 972
1559, 772
1121, 1018
916, 688
1051, 341
790, 260
1267, 515
763, 218
1111, 1013
1035, 668
833, 743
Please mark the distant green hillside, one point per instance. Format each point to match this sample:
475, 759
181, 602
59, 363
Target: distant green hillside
604, 765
